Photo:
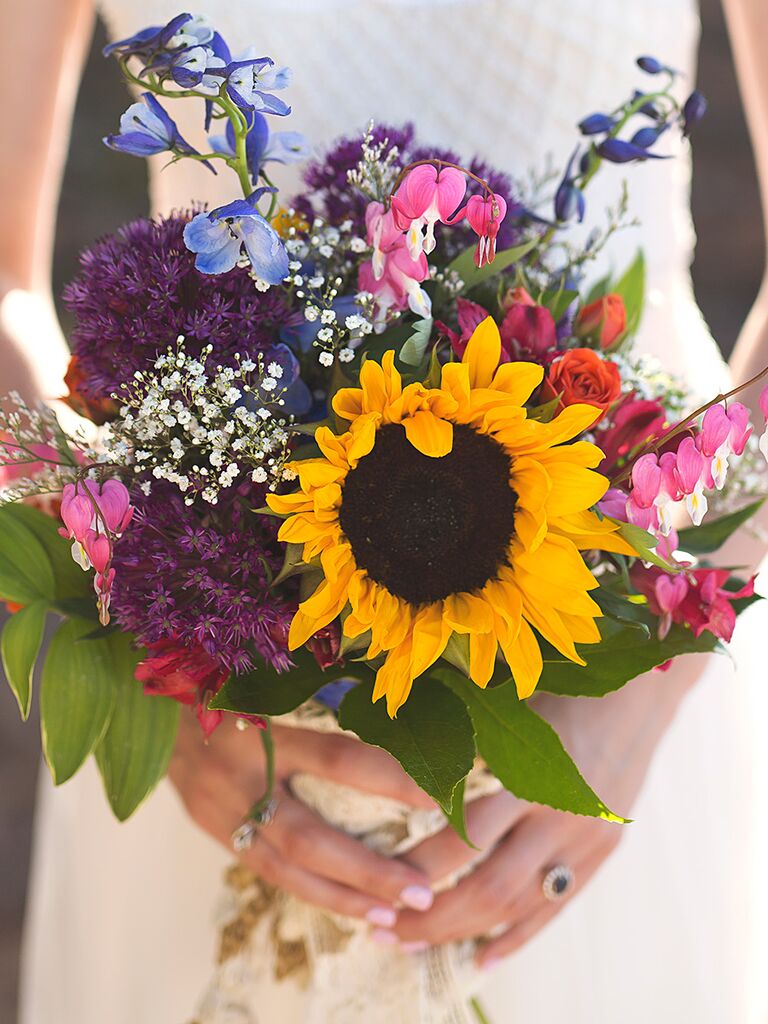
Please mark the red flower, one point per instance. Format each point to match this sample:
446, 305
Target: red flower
325, 645
633, 421
696, 598
605, 319
188, 674
97, 410
470, 315
583, 375
527, 331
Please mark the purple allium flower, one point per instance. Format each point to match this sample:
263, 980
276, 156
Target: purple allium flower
329, 193
138, 290
203, 576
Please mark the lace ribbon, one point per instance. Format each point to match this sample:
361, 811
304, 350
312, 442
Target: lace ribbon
281, 959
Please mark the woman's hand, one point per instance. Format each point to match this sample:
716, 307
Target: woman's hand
612, 740
221, 779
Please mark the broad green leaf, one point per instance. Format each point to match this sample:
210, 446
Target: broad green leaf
620, 656
77, 695
431, 737
134, 752
464, 264
631, 287
20, 646
263, 691
26, 574
558, 300
618, 607
545, 413
712, 534
644, 544
415, 346
523, 751
70, 580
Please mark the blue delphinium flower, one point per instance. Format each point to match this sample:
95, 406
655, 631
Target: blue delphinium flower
146, 128
182, 31
569, 199
218, 238
251, 81
694, 109
263, 146
652, 66
596, 124
620, 151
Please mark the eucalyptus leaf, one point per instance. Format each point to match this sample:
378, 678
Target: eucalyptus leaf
432, 738
523, 751
26, 574
77, 696
415, 346
134, 752
264, 691
464, 264
712, 534
20, 645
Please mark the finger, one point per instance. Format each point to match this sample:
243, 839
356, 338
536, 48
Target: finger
488, 819
304, 839
523, 930
485, 898
347, 761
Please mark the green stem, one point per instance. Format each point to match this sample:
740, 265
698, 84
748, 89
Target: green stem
268, 743
240, 127
476, 1007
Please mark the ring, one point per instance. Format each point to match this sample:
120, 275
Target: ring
243, 836
557, 881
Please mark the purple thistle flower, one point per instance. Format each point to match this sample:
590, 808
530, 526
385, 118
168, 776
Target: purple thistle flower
138, 290
206, 582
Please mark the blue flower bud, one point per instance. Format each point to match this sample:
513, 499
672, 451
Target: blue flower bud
694, 109
569, 202
647, 108
647, 137
596, 124
617, 151
651, 65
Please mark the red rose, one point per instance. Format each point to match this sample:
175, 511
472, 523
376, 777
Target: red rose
583, 375
605, 319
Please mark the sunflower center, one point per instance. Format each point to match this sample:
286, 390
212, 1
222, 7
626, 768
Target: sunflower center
425, 528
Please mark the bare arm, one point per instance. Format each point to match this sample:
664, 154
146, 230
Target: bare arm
45, 45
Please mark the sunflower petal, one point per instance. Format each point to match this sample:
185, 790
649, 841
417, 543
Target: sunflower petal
395, 679
429, 435
523, 655
573, 488
468, 613
518, 380
430, 635
483, 353
482, 657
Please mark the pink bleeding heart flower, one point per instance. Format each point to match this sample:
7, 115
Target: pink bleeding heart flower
670, 593
692, 472
614, 504
392, 276
528, 330
115, 507
764, 411
667, 546
669, 491
485, 215
714, 443
427, 195
77, 513
741, 428
641, 504
98, 548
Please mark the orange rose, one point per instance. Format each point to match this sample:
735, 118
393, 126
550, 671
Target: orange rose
583, 375
605, 319
98, 410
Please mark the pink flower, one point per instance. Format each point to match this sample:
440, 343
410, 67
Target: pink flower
641, 505
764, 411
692, 472
614, 504
741, 428
77, 513
427, 195
670, 592
669, 491
392, 276
696, 598
485, 214
528, 330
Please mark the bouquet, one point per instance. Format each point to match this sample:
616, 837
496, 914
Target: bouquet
379, 448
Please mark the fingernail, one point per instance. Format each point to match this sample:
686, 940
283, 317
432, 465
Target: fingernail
384, 938
490, 963
414, 947
417, 897
384, 917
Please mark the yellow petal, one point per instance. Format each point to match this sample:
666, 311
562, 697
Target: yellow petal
455, 380
531, 483
548, 622
518, 380
394, 679
430, 635
482, 353
429, 435
523, 655
363, 437
468, 613
582, 453
317, 473
573, 488
482, 657
289, 504
334, 448
347, 403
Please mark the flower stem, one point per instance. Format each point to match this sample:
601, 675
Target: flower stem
476, 1006
268, 743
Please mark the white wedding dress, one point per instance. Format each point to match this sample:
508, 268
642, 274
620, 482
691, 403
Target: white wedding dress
121, 920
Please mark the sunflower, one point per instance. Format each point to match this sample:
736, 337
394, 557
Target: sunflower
446, 511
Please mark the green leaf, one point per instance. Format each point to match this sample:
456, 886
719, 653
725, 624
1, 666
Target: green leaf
620, 656
523, 751
264, 691
464, 264
431, 737
20, 645
70, 580
558, 300
415, 346
26, 574
598, 290
631, 287
621, 609
545, 413
644, 544
711, 535
77, 695
134, 753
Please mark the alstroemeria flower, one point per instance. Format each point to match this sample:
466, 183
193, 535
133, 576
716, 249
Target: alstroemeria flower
219, 237
427, 195
485, 214
146, 128
263, 146
698, 598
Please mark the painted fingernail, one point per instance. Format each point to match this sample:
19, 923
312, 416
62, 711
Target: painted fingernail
383, 917
417, 897
490, 963
384, 938
414, 947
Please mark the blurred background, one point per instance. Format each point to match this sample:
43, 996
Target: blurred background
102, 190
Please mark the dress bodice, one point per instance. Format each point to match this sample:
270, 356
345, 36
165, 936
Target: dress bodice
503, 79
